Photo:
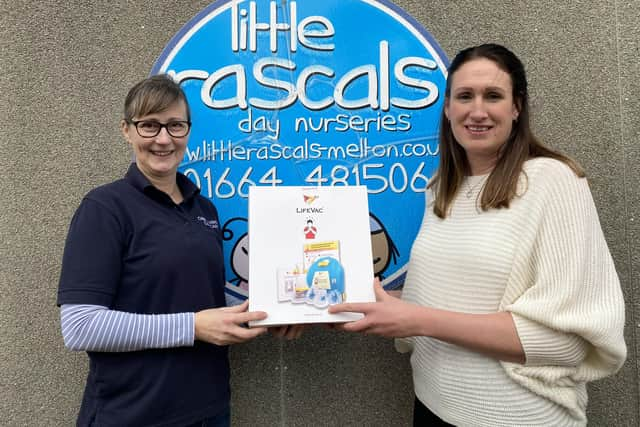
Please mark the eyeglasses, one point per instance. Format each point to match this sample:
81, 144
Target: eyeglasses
151, 128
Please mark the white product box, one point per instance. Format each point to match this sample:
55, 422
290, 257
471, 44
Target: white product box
309, 247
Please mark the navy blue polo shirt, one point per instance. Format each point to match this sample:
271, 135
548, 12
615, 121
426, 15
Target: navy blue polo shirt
131, 248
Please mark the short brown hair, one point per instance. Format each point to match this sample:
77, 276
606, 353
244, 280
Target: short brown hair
153, 95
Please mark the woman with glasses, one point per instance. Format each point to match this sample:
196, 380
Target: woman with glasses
512, 302
142, 282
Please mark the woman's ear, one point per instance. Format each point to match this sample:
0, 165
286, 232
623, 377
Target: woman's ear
124, 128
517, 107
446, 108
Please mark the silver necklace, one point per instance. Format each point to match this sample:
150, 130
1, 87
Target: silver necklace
471, 189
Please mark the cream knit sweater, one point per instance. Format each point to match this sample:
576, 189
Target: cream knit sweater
544, 260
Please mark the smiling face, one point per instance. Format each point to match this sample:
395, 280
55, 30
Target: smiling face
240, 258
159, 156
380, 250
481, 110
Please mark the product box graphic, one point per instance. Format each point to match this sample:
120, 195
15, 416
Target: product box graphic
309, 248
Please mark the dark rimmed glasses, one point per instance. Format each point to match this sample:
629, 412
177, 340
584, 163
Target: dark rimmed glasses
151, 128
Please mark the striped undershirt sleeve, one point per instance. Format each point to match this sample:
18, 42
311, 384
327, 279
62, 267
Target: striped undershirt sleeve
96, 328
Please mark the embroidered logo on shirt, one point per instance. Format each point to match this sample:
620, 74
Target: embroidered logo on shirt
209, 223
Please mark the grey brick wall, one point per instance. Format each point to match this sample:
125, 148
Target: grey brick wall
65, 68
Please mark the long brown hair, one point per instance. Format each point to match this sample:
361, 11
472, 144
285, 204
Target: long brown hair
501, 185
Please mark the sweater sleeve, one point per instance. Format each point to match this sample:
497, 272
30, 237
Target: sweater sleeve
570, 319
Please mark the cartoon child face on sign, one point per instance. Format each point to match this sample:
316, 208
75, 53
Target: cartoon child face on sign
239, 254
240, 261
382, 247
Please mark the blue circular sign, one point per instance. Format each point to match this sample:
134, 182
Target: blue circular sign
295, 93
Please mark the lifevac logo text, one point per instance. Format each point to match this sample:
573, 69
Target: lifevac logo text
295, 93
